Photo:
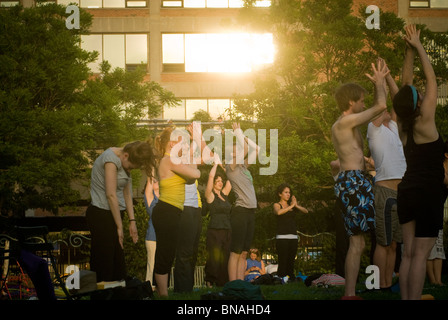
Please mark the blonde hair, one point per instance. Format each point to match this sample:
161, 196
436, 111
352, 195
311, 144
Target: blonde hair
161, 141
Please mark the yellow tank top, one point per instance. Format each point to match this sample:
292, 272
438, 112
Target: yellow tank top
172, 191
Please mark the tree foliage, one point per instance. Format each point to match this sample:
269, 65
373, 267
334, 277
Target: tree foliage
53, 109
320, 45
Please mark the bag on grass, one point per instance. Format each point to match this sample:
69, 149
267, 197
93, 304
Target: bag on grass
135, 289
242, 290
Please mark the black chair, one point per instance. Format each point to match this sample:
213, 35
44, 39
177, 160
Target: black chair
30, 247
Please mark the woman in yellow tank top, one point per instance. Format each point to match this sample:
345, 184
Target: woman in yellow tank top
166, 215
174, 188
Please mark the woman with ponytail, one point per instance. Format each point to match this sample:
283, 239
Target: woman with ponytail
173, 174
419, 204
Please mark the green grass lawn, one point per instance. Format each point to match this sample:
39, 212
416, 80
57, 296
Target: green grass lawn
299, 291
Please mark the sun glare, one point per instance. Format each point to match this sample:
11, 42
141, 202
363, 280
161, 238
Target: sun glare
236, 52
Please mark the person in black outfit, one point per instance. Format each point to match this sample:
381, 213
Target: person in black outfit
286, 239
219, 229
421, 191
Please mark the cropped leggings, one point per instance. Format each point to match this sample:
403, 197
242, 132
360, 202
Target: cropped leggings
166, 219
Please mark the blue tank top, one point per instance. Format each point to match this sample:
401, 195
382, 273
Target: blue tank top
253, 274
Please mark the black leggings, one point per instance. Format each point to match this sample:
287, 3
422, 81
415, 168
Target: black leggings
286, 250
166, 219
106, 253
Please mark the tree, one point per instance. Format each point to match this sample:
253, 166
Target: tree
320, 45
116, 100
53, 110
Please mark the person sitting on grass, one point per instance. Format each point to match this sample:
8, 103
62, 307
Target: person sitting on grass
254, 266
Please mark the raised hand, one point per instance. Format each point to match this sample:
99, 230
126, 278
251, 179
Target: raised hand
379, 72
412, 36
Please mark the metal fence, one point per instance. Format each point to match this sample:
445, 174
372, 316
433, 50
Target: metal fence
72, 252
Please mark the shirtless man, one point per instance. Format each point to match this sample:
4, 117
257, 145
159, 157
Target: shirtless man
353, 189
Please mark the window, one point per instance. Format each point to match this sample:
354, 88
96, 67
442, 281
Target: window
195, 4
207, 52
211, 3
91, 3
4, 4
114, 4
186, 109
438, 3
93, 42
434, 4
136, 4
113, 46
419, 4
105, 3
175, 113
194, 105
218, 107
120, 50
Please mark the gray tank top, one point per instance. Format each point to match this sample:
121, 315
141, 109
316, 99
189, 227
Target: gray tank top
242, 185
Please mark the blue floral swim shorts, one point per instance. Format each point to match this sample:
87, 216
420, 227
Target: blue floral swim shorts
354, 195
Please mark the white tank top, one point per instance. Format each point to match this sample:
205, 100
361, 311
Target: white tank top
387, 151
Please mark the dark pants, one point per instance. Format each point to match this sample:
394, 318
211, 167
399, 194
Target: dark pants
189, 232
243, 228
218, 251
166, 219
286, 250
106, 253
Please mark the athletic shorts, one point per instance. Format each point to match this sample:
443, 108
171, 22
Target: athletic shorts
354, 195
388, 227
242, 221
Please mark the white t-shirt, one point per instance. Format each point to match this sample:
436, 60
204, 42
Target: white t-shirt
387, 151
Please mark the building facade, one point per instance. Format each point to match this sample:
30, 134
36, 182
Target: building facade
197, 49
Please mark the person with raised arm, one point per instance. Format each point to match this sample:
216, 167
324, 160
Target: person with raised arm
420, 193
173, 176
219, 230
390, 164
243, 212
353, 188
